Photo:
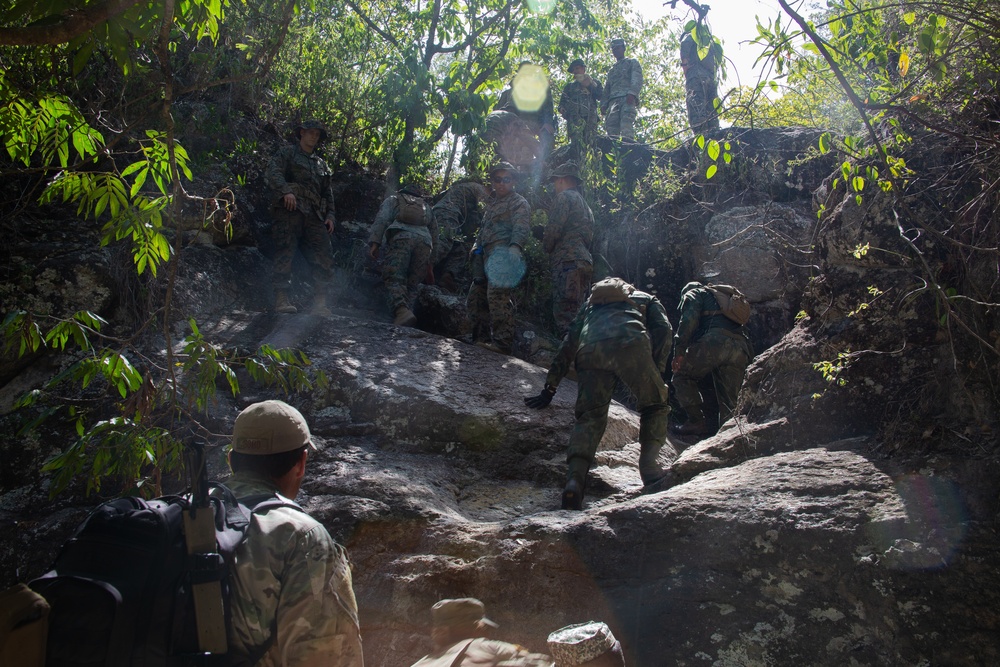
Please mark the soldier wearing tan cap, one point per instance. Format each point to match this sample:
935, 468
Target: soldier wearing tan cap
292, 588
589, 644
459, 630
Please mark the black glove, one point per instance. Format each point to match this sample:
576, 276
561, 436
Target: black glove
543, 399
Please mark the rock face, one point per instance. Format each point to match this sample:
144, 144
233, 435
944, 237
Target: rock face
790, 537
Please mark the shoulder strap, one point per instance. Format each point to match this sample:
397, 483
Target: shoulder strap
457, 662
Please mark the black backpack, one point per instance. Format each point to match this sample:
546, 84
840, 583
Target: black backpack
121, 588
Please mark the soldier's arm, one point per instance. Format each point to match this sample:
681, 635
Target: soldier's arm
554, 229
688, 325
567, 350
660, 333
386, 214
274, 177
596, 89
433, 227
635, 85
331, 211
564, 101
520, 223
317, 611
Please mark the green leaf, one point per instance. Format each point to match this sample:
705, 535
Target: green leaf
713, 149
710, 172
909, 17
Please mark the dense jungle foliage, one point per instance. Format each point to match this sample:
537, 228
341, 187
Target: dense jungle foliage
115, 107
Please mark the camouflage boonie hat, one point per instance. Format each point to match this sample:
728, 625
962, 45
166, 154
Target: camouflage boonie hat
311, 124
578, 61
505, 166
617, 41
566, 170
270, 427
581, 643
460, 611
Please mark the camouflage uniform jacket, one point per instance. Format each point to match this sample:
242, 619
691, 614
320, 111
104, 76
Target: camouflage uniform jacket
484, 653
625, 78
506, 222
570, 229
695, 68
457, 215
293, 171
621, 322
291, 578
695, 301
579, 101
385, 220
545, 115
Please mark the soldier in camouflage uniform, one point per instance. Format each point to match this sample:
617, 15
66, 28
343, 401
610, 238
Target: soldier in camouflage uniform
620, 105
578, 105
302, 209
506, 224
409, 244
459, 632
541, 121
567, 240
292, 589
620, 333
707, 342
700, 84
458, 216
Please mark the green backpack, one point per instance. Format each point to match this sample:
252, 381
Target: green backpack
732, 303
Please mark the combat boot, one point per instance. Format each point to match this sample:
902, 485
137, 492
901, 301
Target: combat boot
319, 306
404, 317
649, 470
282, 304
576, 480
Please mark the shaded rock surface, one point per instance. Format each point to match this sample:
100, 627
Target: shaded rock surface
790, 537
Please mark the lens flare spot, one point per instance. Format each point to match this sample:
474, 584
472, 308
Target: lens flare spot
541, 6
529, 88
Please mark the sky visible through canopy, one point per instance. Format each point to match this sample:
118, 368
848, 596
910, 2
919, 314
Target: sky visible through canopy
733, 22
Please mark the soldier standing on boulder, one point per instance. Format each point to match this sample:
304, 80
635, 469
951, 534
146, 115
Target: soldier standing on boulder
506, 228
459, 631
707, 342
620, 333
578, 105
303, 215
621, 94
406, 225
567, 240
700, 84
458, 216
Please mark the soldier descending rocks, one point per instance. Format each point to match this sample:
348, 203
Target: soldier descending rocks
303, 213
406, 225
707, 343
620, 333
578, 105
458, 216
567, 240
460, 634
498, 262
700, 84
620, 105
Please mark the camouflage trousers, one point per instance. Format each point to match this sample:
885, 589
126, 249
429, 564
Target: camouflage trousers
491, 309
305, 230
581, 130
597, 367
724, 356
620, 120
701, 94
570, 287
404, 265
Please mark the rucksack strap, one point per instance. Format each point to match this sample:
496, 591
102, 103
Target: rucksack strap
461, 655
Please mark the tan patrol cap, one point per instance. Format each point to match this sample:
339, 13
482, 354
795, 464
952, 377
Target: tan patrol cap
460, 611
270, 427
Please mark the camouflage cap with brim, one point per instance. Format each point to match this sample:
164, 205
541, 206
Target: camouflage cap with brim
312, 124
578, 644
460, 611
270, 427
566, 170
578, 61
617, 41
505, 166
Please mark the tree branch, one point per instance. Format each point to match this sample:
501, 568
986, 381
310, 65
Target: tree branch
72, 23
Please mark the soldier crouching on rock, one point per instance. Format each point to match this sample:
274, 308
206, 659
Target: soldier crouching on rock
303, 215
622, 333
